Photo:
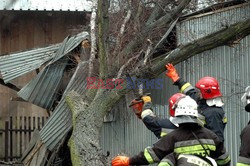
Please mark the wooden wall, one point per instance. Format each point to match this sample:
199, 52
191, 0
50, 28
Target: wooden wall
22, 30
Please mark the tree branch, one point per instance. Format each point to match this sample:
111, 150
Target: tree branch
93, 37
102, 54
219, 38
149, 49
162, 22
137, 16
157, 12
126, 19
127, 64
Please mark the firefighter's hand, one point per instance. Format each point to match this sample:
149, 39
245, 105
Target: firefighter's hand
120, 161
146, 99
171, 72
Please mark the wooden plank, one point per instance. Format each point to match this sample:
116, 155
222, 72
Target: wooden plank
38, 123
29, 123
11, 140
21, 135
6, 140
24, 133
34, 123
32, 143
48, 30
18, 137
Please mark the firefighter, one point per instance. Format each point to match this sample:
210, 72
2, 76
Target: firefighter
159, 126
244, 156
190, 144
209, 98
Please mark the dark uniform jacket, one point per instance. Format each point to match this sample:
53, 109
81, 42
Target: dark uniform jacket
159, 126
244, 156
213, 117
182, 141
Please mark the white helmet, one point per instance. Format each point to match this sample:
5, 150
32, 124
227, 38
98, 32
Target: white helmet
186, 106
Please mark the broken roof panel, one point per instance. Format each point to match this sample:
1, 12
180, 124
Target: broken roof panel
43, 88
46, 5
16, 64
60, 123
69, 44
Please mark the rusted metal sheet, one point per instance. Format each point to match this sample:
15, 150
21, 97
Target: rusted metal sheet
60, 123
46, 5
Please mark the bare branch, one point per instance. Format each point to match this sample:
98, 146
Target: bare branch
162, 22
157, 12
159, 44
126, 19
137, 16
147, 54
93, 37
127, 64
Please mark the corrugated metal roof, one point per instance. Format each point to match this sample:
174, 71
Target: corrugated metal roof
60, 122
47, 5
201, 25
42, 89
69, 44
16, 64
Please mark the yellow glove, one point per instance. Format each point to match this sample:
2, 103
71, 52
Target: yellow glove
146, 99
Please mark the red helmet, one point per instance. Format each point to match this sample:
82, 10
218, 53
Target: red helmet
171, 102
209, 87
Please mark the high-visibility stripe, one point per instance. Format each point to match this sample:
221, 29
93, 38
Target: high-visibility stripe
195, 149
202, 119
164, 164
244, 160
185, 86
224, 120
165, 131
150, 155
193, 142
224, 161
242, 164
163, 134
223, 157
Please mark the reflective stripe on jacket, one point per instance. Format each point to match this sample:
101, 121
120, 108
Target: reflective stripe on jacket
159, 126
182, 141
